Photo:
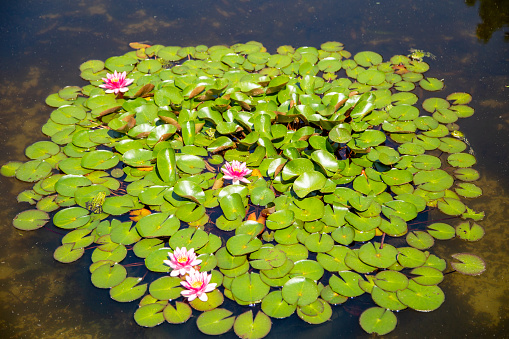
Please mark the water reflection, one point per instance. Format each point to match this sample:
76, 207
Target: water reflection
47, 41
494, 16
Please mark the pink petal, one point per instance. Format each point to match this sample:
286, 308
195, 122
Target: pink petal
210, 287
203, 297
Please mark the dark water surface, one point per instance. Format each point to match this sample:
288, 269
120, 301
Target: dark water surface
44, 42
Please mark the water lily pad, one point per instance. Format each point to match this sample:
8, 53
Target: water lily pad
322, 309
99, 160
249, 288
411, 257
469, 264
67, 253
215, 322
368, 58
276, 307
246, 327
149, 315
107, 276
242, 244
346, 284
154, 260
427, 276
466, 174
379, 256
434, 181
280, 219
72, 217
468, 231
461, 160
391, 281
166, 288
420, 240
30, 220
431, 84
378, 320
388, 300
128, 290
32, 171
262, 196
421, 298
189, 238
300, 290
42, 150
178, 314
158, 225
441, 231
232, 206
118, 205
468, 190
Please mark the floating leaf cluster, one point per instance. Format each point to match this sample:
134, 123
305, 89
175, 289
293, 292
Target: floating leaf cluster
342, 155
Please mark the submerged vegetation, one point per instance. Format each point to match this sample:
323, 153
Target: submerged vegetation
300, 179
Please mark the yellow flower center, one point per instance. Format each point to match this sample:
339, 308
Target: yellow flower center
114, 80
196, 284
182, 259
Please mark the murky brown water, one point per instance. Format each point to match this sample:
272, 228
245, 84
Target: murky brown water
44, 43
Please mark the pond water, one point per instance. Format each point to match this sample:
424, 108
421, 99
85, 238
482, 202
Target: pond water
44, 42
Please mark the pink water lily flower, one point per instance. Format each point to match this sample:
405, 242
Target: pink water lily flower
197, 285
236, 171
182, 261
116, 82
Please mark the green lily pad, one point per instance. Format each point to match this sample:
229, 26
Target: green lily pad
434, 181
32, 171
300, 290
321, 309
470, 232
427, 276
128, 290
420, 240
462, 160
468, 190
214, 299
379, 256
242, 244
158, 225
367, 58
166, 288
67, 253
42, 150
178, 314
391, 281
232, 206
215, 322
30, 220
280, 219
441, 231
378, 320
107, 276
276, 307
72, 217
246, 327
388, 300
431, 84
99, 160
249, 288
346, 284
421, 298
469, 264
149, 315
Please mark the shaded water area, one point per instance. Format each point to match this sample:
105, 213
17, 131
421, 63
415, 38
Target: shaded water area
44, 42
